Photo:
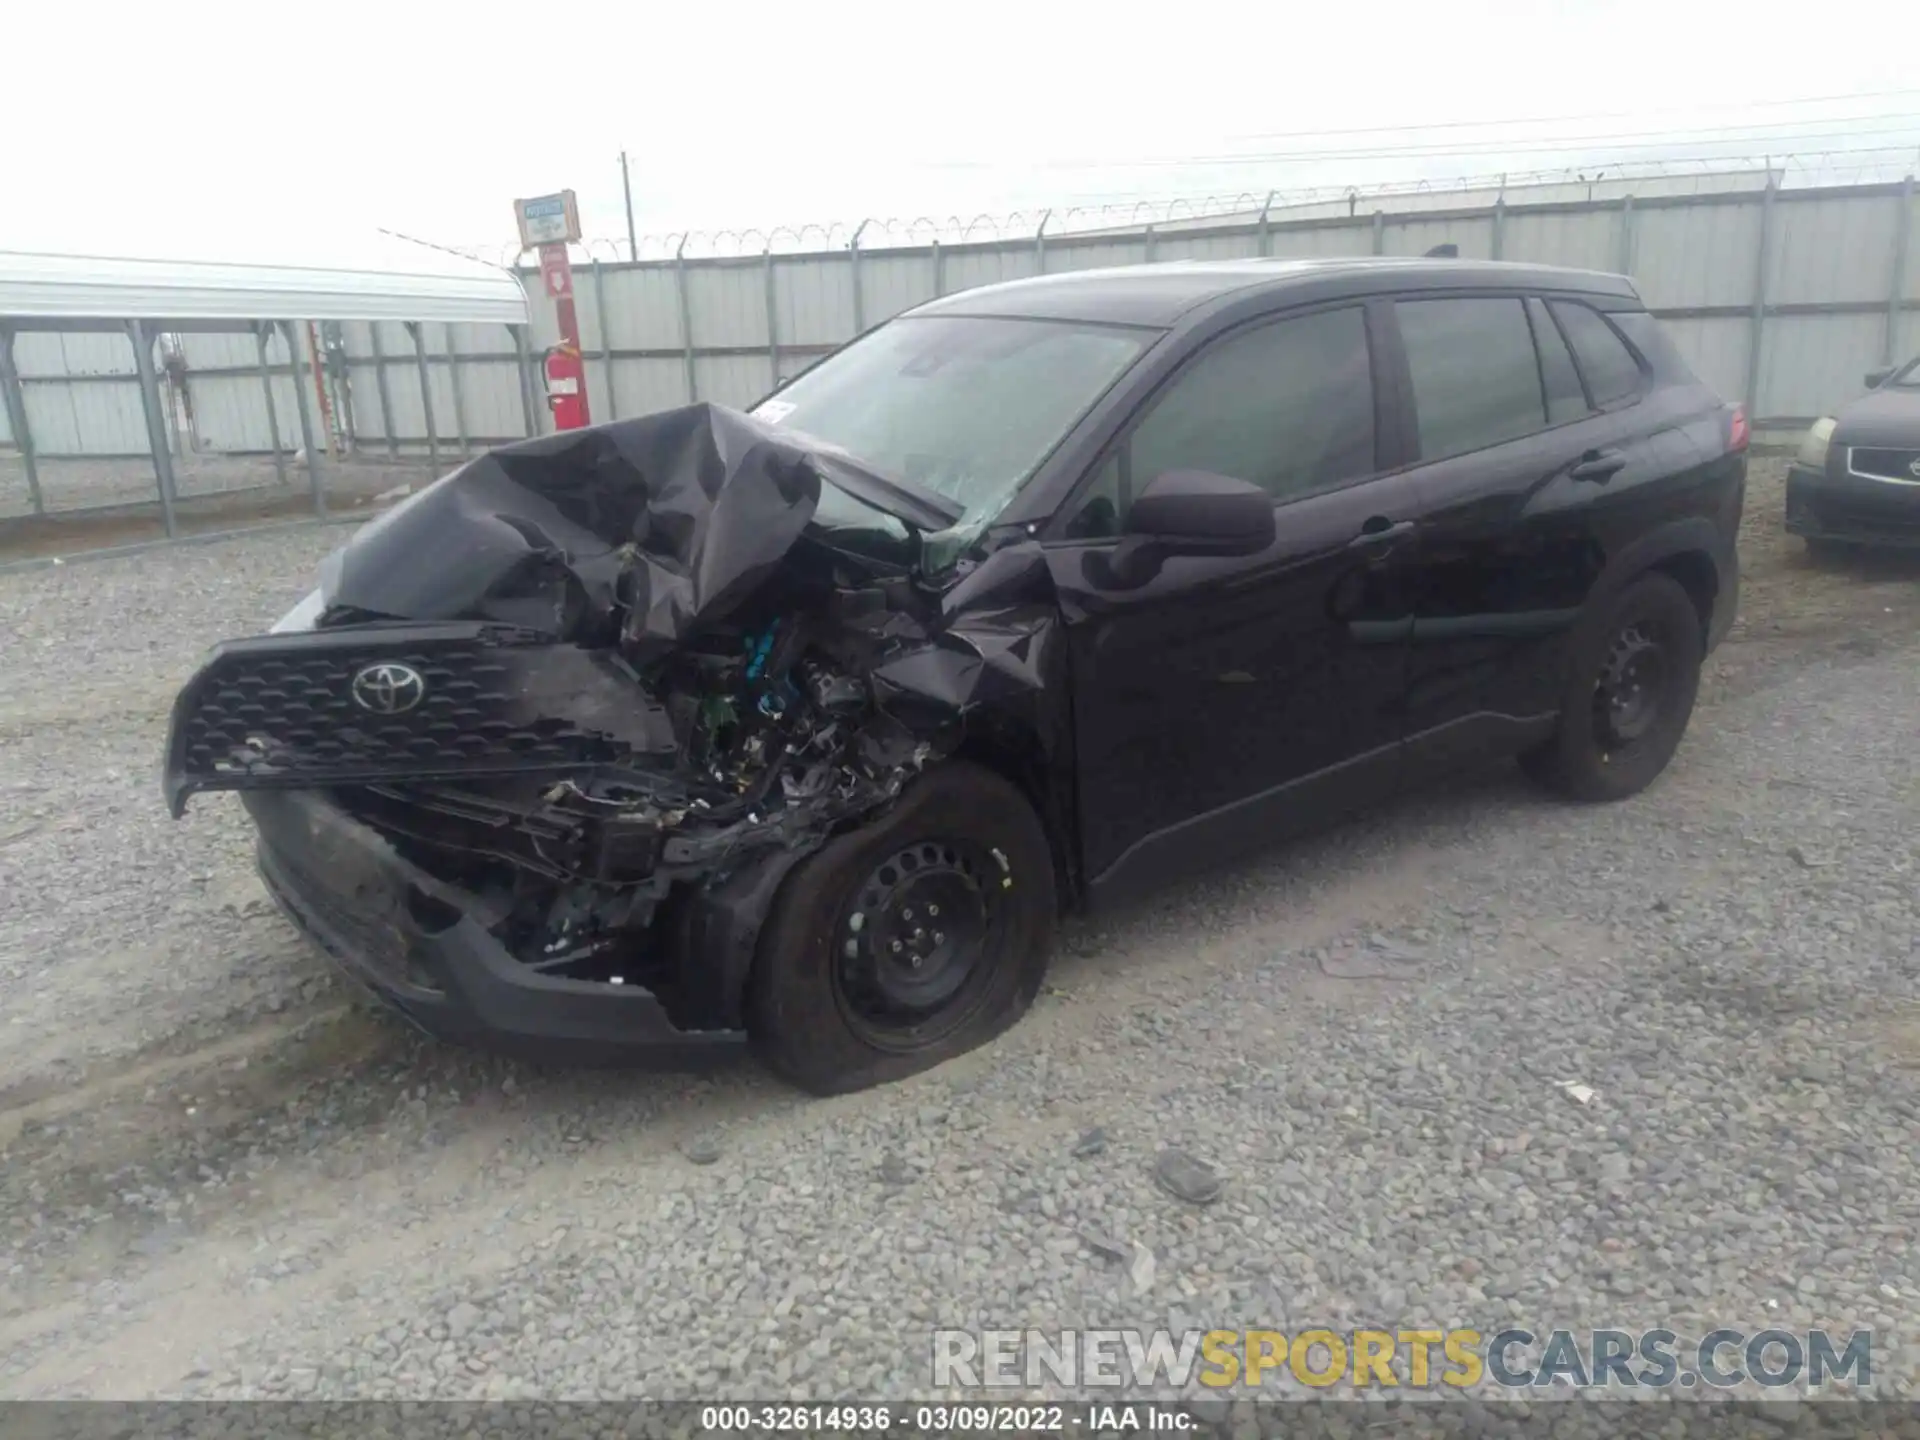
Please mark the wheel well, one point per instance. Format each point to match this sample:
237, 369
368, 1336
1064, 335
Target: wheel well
1697, 576
1020, 760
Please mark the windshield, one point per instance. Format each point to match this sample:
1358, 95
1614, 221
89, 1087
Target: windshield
963, 406
1907, 377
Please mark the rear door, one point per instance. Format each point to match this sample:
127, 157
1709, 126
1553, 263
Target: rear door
1521, 452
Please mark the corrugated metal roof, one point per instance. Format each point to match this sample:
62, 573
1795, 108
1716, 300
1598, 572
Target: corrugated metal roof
84, 287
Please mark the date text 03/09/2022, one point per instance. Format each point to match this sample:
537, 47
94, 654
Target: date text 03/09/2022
1101, 1417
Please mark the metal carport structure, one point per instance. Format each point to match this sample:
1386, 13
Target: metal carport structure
145, 299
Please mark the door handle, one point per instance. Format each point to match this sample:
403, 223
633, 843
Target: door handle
1599, 466
1380, 535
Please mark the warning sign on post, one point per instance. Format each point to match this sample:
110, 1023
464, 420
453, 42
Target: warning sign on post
555, 273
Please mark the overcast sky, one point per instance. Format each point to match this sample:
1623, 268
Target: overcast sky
287, 133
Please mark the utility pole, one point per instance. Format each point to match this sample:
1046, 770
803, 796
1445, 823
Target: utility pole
626, 186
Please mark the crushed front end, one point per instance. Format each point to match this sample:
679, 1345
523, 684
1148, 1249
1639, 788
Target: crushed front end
554, 731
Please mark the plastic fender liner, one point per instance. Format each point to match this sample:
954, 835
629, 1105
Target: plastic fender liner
719, 932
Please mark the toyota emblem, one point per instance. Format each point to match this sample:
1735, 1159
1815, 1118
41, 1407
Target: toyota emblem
1913, 468
388, 688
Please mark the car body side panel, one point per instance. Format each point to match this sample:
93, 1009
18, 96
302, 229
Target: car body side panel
1207, 700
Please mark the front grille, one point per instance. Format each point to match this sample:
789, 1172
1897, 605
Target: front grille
1880, 464
284, 710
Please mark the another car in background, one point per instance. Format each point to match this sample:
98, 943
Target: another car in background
1856, 480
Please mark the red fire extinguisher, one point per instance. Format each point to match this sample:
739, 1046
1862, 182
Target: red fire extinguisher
566, 387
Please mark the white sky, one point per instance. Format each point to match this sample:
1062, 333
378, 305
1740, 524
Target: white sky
284, 133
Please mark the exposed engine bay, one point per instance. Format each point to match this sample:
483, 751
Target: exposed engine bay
778, 744
593, 681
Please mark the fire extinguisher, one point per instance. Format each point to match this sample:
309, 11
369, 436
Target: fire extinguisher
566, 376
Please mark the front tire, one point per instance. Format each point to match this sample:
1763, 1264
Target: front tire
1634, 678
908, 941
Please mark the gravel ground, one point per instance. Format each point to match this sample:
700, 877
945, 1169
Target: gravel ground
219, 1177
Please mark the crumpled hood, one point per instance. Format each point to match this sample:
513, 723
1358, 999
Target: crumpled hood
532, 612
676, 516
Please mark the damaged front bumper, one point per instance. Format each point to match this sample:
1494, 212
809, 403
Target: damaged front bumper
415, 942
536, 758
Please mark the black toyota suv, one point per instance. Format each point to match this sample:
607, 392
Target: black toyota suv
803, 726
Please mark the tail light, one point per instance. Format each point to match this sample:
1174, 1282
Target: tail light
1737, 431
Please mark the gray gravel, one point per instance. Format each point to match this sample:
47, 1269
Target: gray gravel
219, 1177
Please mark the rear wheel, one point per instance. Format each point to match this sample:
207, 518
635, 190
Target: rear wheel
1634, 679
908, 941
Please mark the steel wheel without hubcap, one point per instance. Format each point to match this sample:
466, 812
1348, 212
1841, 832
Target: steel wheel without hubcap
1631, 686
1631, 690
911, 942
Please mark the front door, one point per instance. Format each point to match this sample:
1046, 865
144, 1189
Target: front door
1228, 702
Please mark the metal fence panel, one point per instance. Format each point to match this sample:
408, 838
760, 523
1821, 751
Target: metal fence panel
1075, 255
369, 415
1716, 348
987, 265
224, 400
1319, 242
1697, 255
1473, 235
727, 306
40, 355
891, 283
86, 417
491, 390
643, 307
813, 299
230, 416
1804, 356
647, 385
81, 394
736, 380
1230, 246
1583, 240
1825, 250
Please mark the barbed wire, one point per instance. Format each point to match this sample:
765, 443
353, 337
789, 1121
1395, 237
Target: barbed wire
1836, 166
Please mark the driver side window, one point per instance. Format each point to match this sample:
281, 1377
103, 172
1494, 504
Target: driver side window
1287, 406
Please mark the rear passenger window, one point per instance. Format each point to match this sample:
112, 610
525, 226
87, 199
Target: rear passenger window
1565, 399
1475, 379
1611, 372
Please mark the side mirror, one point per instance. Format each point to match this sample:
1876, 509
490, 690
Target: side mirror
1877, 378
1192, 512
